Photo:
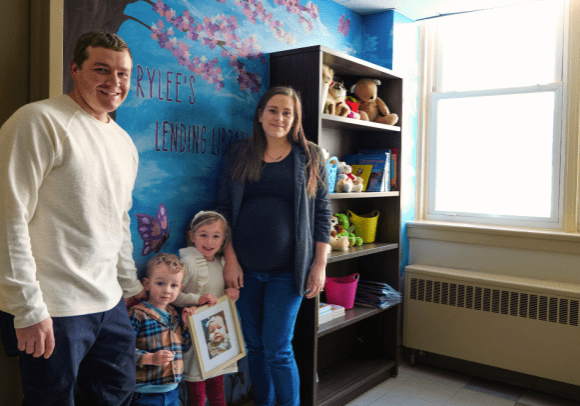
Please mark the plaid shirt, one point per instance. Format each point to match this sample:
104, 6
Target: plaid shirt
153, 334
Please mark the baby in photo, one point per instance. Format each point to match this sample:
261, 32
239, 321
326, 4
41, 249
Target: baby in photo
218, 337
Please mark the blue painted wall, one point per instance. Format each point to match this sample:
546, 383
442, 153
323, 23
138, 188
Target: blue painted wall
199, 71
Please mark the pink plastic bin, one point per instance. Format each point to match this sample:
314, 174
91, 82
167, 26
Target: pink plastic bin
341, 290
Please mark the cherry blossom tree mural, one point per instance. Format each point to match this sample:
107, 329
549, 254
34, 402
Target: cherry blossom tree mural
176, 32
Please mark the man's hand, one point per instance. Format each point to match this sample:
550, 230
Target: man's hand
37, 339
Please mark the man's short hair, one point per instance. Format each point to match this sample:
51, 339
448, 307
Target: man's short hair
97, 39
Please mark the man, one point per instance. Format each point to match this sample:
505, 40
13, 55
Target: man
67, 172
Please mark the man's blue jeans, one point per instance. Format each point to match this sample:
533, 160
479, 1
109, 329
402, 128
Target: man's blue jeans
268, 306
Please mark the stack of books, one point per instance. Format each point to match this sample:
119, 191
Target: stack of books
376, 294
378, 168
327, 312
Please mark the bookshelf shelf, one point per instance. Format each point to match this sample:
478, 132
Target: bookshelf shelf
350, 378
365, 249
363, 195
354, 315
334, 365
337, 122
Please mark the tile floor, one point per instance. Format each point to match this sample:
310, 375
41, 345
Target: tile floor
427, 386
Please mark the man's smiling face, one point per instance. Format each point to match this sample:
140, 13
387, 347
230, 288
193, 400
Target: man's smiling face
102, 84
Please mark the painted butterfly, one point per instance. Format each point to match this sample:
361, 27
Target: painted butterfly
153, 230
343, 25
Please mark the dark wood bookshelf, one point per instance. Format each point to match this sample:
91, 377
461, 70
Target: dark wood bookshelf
343, 358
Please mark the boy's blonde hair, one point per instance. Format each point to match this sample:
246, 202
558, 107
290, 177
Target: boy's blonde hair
204, 218
172, 262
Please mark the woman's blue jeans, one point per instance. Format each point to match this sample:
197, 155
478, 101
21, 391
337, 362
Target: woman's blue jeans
268, 306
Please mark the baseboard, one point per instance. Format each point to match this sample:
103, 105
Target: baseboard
555, 388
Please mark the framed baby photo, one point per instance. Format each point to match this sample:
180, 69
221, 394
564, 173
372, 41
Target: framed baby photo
217, 336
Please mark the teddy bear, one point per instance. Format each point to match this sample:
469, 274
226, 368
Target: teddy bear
335, 100
372, 107
346, 182
337, 243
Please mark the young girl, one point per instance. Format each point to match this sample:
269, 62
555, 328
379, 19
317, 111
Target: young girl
207, 236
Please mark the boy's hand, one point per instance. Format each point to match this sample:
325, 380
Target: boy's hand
233, 294
161, 358
186, 312
208, 298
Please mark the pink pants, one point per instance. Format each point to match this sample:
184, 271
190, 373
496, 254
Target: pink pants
212, 388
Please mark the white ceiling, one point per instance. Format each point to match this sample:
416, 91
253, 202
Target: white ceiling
420, 9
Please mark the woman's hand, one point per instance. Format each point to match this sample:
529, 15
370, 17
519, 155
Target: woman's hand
208, 298
233, 294
317, 275
316, 281
233, 274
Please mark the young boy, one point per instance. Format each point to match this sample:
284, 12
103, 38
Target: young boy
161, 336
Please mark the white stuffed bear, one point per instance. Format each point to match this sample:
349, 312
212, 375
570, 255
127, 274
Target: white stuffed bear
346, 182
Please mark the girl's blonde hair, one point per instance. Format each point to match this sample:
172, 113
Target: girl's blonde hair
204, 218
171, 260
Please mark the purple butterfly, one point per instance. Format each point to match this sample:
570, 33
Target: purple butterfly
153, 230
343, 25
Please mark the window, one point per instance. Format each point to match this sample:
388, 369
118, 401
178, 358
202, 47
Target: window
495, 128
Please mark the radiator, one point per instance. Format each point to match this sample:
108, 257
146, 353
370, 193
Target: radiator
519, 324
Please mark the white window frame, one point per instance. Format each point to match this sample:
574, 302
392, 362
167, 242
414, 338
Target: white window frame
566, 205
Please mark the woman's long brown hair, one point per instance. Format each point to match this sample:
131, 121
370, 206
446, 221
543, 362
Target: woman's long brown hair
249, 161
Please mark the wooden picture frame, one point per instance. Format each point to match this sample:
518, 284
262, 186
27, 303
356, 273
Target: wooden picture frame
229, 345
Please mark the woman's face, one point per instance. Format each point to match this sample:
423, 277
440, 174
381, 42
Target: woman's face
278, 117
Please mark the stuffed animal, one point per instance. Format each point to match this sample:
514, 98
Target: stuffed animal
337, 242
335, 100
343, 181
346, 182
353, 104
327, 76
372, 107
345, 225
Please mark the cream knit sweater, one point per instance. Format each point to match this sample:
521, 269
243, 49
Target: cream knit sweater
66, 181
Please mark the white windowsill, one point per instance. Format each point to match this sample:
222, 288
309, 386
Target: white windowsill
503, 237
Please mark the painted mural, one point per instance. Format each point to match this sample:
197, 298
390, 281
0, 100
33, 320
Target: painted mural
199, 70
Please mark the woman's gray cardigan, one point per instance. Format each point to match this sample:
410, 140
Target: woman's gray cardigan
312, 215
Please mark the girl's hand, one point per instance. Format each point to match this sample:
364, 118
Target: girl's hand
233, 294
208, 298
186, 312
160, 358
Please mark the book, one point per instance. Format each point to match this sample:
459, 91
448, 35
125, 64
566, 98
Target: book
379, 162
324, 308
391, 171
337, 311
394, 178
364, 171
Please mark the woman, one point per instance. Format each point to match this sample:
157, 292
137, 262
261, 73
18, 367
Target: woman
274, 193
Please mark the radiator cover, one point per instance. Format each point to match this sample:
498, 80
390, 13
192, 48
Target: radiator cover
519, 324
